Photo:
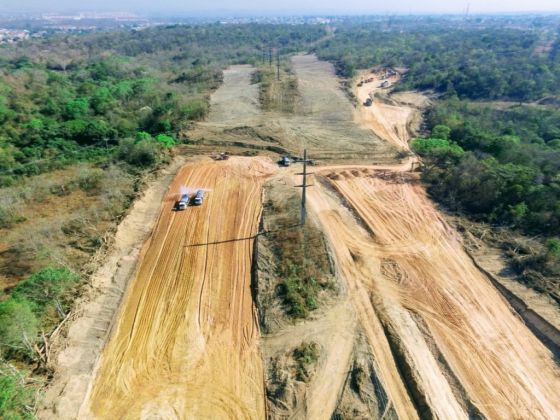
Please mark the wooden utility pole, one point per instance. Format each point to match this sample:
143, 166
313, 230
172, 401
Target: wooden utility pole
270, 56
278, 64
304, 185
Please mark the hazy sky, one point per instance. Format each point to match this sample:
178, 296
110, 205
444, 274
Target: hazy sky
346, 6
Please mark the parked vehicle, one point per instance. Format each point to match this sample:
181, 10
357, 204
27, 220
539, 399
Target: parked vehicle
285, 161
198, 198
183, 203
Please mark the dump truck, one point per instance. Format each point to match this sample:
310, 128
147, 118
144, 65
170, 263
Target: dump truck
198, 198
183, 202
285, 161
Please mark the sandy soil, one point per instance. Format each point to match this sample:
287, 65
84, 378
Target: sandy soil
394, 121
323, 121
185, 344
87, 330
409, 261
236, 100
334, 331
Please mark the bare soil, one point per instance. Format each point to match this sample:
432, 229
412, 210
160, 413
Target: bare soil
76, 352
186, 339
393, 117
410, 263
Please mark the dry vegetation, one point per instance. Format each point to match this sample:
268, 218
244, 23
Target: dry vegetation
295, 269
61, 219
277, 94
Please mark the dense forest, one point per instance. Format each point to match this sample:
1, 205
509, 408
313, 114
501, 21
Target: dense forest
68, 98
514, 64
502, 166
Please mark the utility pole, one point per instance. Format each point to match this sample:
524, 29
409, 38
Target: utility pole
304, 185
278, 64
270, 56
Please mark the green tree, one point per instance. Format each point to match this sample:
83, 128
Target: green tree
165, 140
441, 132
77, 108
16, 399
45, 288
18, 328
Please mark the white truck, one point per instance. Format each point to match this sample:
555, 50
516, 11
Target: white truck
198, 198
183, 202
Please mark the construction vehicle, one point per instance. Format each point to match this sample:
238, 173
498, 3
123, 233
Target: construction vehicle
198, 198
183, 202
221, 156
285, 161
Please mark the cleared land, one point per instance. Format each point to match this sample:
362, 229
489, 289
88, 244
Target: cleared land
392, 118
186, 341
407, 270
323, 121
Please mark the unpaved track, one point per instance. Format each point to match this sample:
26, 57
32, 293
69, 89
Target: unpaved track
324, 121
412, 264
390, 122
236, 101
185, 344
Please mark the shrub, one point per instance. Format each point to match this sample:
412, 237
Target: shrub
18, 328
46, 288
553, 246
15, 399
10, 208
165, 140
89, 179
306, 355
142, 153
300, 292
142, 135
195, 109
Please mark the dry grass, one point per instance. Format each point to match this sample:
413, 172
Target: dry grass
59, 218
302, 265
277, 95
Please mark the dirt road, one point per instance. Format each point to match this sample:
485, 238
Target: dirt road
392, 119
236, 101
465, 349
185, 344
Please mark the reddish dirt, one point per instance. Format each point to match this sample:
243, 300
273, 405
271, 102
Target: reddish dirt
186, 341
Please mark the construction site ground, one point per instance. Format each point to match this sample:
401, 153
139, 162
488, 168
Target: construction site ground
413, 330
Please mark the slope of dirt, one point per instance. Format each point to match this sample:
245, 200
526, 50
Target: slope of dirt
236, 100
323, 121
392, 118
409, 263
77, 354
185, 343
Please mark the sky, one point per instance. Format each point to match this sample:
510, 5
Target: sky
285, 6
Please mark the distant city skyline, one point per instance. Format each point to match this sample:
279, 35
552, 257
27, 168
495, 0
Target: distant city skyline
224, 7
